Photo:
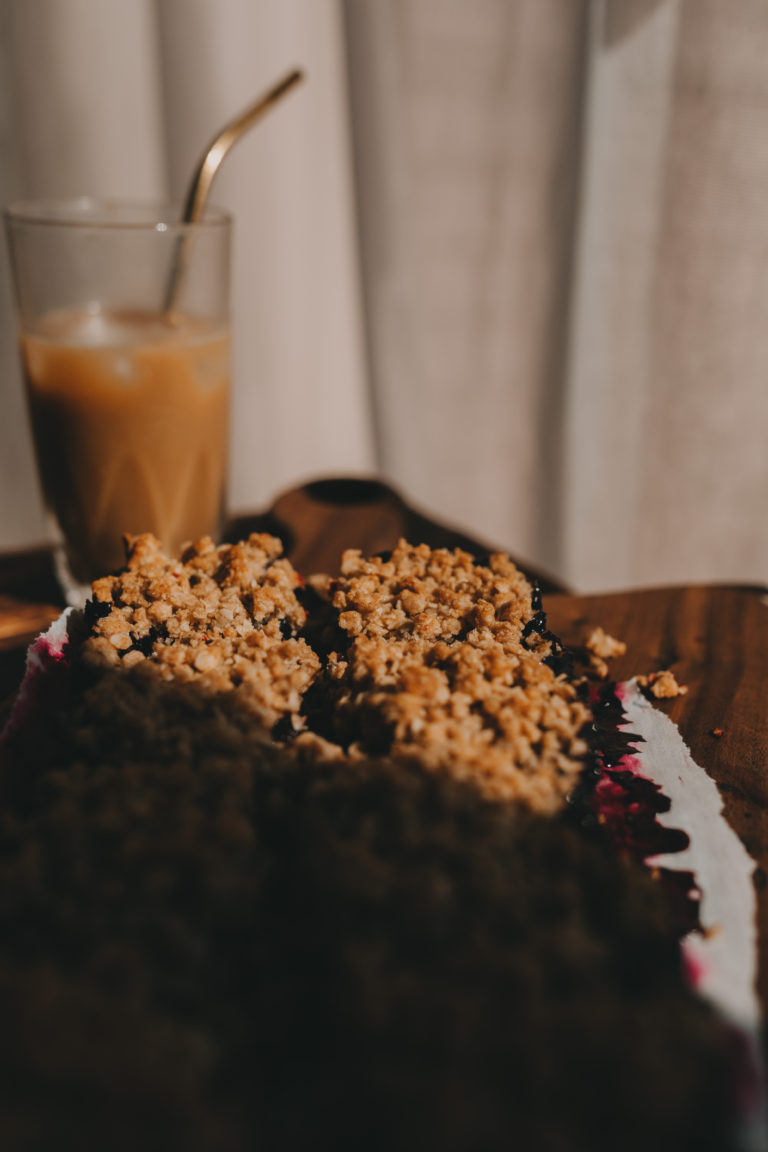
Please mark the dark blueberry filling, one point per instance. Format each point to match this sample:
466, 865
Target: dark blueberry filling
96, 610
621, 806
560, 659
283, 731
145, 644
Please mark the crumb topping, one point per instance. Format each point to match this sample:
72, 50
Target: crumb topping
444, 669
224, 617
436, 660
425, 595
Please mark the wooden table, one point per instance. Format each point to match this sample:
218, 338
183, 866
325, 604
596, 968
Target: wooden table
715, 639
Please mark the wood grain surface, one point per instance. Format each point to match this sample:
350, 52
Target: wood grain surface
715, 639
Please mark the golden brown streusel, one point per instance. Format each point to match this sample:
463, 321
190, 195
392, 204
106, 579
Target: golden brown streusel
439, 661
444, 668
225, 617
427, 595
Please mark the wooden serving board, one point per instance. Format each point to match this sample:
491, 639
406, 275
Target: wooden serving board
715, 639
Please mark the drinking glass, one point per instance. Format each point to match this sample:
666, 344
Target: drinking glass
124, 333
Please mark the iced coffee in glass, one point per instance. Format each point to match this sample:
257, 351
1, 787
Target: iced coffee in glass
125, 346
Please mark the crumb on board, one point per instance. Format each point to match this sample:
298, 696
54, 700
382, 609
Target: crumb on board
602, 647
663, 685
599, 666
602, 644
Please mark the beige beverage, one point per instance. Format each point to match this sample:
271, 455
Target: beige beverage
130, 419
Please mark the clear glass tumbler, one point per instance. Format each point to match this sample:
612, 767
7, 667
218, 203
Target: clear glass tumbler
124, 334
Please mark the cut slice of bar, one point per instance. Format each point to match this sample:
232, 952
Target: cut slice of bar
224, 619
447, 663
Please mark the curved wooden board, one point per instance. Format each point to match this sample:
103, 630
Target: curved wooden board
319, 520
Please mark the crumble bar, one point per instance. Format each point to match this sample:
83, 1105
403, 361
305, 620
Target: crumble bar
214, 937
448, 666
224, 618
435, 659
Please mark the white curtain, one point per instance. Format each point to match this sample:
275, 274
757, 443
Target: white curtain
513, 254
666, 422
467, 118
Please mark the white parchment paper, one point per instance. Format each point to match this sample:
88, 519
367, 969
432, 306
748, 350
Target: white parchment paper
724, 956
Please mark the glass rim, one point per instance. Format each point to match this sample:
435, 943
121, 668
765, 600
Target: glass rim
111, 214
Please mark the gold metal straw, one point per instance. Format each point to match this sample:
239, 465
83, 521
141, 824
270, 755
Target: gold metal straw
209, 164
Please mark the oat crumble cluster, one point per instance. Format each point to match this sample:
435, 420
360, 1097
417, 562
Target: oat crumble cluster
439, 660
446, 667
662, 685
223, 618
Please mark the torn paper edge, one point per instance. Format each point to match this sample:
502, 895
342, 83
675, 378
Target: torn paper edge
723, 958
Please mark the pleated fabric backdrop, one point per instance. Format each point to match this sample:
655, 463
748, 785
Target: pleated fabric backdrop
513, 254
